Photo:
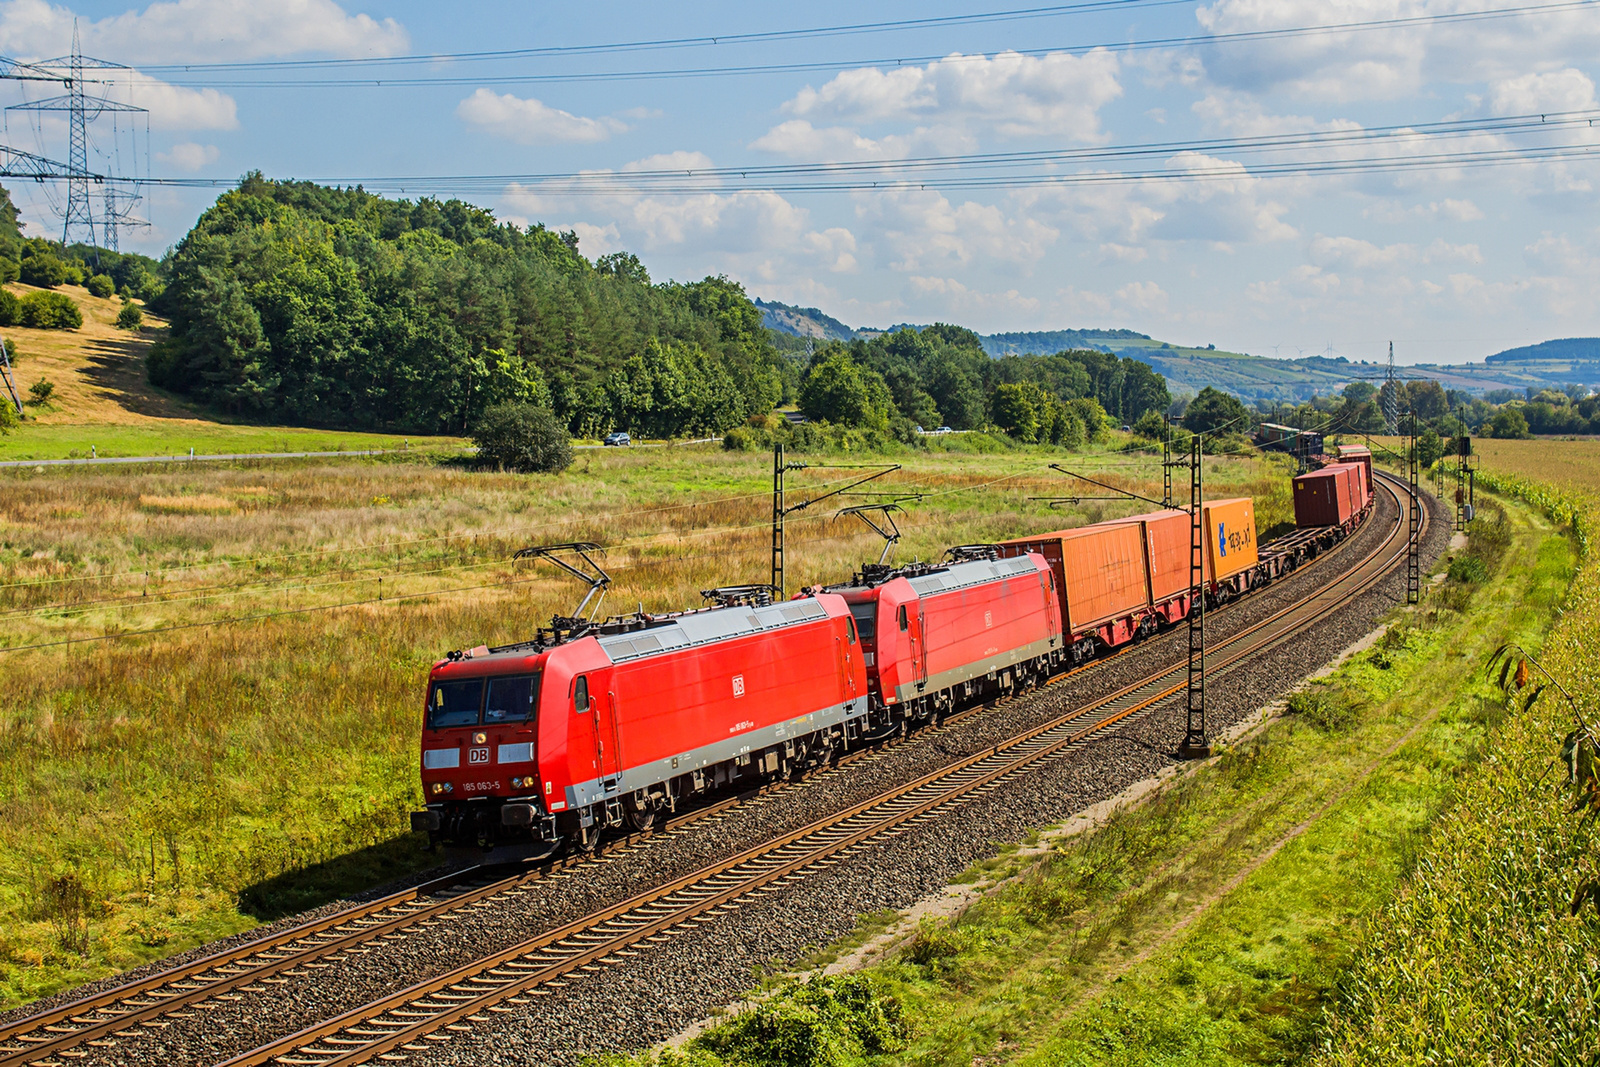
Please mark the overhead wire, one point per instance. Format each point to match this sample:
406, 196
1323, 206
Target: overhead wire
822, 66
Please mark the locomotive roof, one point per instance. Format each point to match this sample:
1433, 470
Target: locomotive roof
948, 577
703, 627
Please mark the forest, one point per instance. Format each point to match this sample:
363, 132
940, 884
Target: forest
335, 307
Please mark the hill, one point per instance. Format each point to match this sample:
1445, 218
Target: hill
1190, 369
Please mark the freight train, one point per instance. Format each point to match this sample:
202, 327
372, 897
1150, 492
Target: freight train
606, 727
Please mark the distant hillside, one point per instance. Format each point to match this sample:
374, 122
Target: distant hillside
803, 322
1551, 363
1050, 341
1566, 350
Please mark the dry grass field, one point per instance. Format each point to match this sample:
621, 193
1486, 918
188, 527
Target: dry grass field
211, 739
102, 400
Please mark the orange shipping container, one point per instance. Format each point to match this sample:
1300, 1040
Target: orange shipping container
1100, 570
1230, 543
1166, 552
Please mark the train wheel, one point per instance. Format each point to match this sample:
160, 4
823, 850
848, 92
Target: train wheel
640, 821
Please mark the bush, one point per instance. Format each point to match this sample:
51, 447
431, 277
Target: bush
49, 311
42, 390
100, 285
522, 437
1152, 426
10, 271
42, 269
131, 317
10, 308
8, 416
821, 1022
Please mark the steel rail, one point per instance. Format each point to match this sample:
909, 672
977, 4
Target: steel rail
407, 1020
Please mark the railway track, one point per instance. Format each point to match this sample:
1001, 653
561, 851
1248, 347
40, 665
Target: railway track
406, 1025
409, 1022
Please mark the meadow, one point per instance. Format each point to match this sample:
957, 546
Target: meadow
102, 403
214, 672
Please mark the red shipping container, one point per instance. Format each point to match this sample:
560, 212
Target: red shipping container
1362, 455
1322, 498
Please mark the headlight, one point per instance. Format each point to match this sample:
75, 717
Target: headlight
479, 738
437, 788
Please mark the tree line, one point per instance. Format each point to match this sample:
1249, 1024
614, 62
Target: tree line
334, 306
895, 383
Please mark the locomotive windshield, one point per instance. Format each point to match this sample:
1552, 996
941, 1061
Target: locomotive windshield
455, 703
511, 699
470, 702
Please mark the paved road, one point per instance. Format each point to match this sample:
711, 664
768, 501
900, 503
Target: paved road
265, 455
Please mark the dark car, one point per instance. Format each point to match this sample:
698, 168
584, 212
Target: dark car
617, 438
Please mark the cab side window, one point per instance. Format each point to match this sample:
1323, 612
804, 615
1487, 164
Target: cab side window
850, 629
900, 616
580, 695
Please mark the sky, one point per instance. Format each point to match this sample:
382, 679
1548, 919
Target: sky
1282, 177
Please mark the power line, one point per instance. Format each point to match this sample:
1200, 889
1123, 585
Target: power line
822, 66
704, 40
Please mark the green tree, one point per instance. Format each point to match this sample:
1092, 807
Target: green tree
8, 416
43, 269
1508, 422
522, 437
1430, 447
100, 285
10, 308
42, 390
1013, 407
1152, 426
838, 391
1213, 410
49, 311
131, 317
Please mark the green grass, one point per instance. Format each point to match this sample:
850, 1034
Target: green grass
36, 441
1213, 924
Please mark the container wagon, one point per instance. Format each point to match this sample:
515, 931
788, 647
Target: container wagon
1358, 454
1101, 582
1230, 549
1324, 498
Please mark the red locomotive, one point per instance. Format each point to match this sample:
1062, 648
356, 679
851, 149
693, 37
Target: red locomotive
598, 726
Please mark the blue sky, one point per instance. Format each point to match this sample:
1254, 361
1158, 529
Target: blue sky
1293, 250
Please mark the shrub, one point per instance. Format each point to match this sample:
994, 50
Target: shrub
522, 437
131, 317
42, 390
1151, 425
10, 308
1328, 712
49, 311
821, 1022
100, 285
42, 269
8, 416
10, 271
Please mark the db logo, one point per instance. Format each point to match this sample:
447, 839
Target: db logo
738, 685
477, 755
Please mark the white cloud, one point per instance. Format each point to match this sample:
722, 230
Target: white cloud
918, 228
199, 31
189, 156
1562, 90
173, 107
798, 139
532, 121
1007, 94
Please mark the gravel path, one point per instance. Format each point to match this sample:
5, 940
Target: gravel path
634, 1004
